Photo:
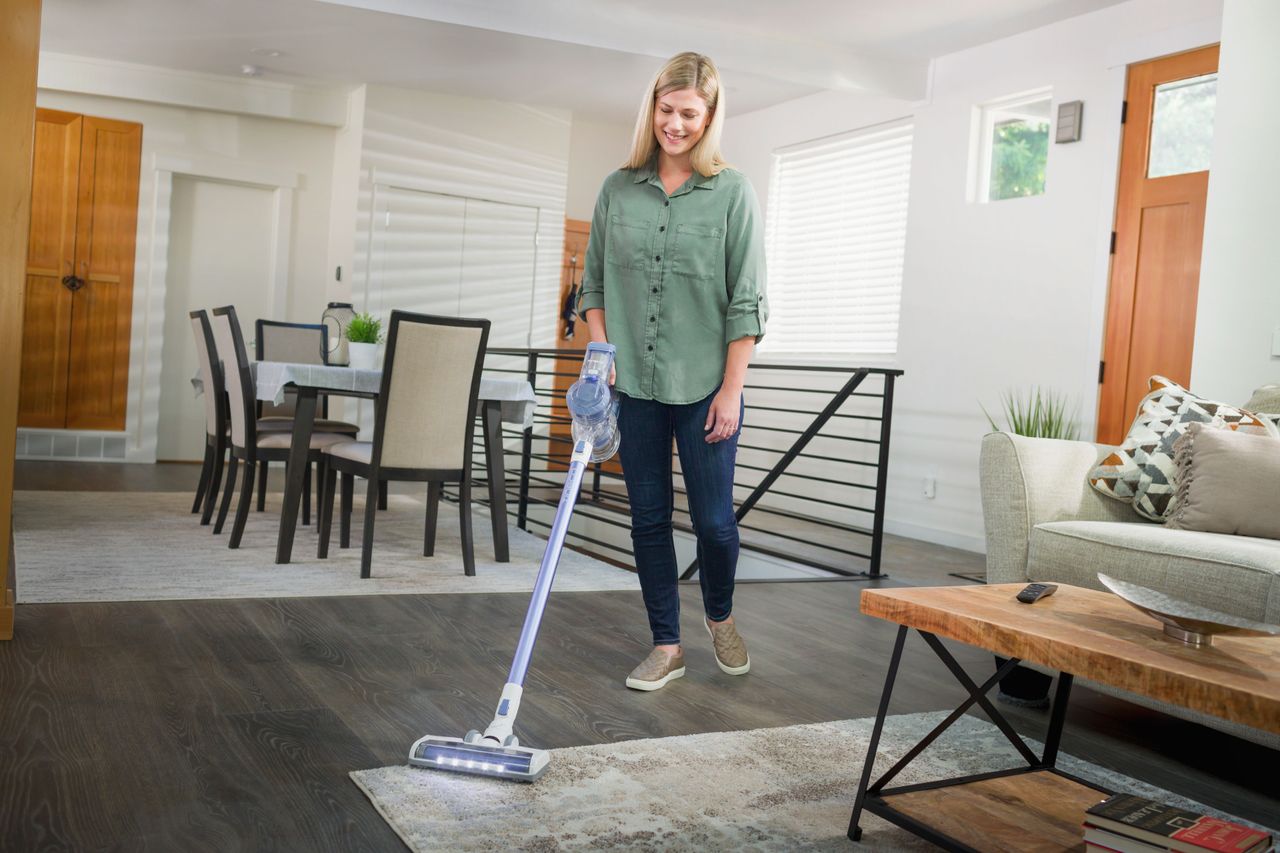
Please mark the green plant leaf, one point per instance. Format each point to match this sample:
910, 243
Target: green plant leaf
1037, 413
364, 329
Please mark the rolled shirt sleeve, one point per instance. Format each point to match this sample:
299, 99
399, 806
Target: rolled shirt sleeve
591, 295
745, 274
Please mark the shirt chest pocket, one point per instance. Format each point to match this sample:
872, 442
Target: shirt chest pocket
698, 252
627, 242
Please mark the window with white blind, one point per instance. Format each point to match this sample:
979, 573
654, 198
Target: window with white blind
836, 234
461, 257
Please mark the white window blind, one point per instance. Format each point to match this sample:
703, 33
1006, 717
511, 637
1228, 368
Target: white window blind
457, 256
835, 235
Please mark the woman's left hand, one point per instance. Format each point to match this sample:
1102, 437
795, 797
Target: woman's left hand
722, 417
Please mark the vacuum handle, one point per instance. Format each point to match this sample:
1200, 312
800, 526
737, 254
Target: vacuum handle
550, 559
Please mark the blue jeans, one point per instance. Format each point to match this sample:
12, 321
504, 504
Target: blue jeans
647, 427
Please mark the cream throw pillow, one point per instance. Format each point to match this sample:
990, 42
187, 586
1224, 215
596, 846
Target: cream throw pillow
1228, 482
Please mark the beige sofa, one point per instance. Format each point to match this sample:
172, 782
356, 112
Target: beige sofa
1044, 522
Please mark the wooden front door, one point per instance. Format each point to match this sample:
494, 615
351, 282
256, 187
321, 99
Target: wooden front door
1155, 274
79, 300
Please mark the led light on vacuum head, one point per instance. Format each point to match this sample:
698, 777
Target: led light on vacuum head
456, 755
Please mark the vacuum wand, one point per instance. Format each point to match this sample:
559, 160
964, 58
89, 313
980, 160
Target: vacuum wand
550, 560
499, 731
497, 752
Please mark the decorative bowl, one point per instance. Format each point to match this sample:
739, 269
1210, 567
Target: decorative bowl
1183, 621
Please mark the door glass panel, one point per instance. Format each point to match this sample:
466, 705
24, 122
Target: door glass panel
1182, 126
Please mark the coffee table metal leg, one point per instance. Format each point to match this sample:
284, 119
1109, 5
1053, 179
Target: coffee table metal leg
939, 729
303, 414
855, 831
1056, 719
876, 798
978, 696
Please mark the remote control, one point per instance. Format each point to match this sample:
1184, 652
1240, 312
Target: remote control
1036, 591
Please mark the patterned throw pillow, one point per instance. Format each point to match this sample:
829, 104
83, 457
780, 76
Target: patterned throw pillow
1141, 470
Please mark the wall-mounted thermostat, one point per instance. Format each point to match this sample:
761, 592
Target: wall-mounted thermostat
1069, 119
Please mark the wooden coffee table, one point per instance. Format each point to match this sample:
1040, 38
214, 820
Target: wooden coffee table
1075, 631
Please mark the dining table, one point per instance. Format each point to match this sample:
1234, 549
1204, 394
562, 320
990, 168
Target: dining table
501, 399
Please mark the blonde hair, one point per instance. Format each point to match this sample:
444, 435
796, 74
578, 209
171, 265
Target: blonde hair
683, 71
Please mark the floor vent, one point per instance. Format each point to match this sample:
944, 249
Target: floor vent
70, 445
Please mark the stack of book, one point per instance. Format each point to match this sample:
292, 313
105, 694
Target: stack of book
1124, 823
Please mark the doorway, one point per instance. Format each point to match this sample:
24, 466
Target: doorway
207, 218
1159, 231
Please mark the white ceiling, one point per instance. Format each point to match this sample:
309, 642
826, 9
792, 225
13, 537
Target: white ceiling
591, 56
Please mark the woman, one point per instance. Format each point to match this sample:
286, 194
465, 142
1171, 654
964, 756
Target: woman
675, 280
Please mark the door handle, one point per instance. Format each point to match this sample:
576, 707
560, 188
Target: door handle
72, 283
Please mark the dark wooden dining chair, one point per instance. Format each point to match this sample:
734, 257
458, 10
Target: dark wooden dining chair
248, 444
215, 417
422, 428
299, 343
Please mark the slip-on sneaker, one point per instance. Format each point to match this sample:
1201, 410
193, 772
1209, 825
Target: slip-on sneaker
731, 651
656, 670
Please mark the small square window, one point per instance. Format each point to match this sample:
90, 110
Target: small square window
1182, 126
1012, 147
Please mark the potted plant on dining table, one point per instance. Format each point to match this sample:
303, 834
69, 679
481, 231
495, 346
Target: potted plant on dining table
364, 333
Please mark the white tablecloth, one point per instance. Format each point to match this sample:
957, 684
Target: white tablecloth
271, 377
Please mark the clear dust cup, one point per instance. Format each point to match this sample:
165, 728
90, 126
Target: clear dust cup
594, 404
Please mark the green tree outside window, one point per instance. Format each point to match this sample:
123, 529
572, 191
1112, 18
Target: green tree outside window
1019, 151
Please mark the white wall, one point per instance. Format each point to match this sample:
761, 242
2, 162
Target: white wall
1238, 310
595, 150
343, 197
998, 296
265, 149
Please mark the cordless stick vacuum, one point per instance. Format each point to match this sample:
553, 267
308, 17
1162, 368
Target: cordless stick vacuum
498, 752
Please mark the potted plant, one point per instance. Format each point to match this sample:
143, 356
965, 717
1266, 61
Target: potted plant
364, 333
1038, 413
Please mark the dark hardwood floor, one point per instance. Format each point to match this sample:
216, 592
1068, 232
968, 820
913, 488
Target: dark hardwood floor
232, 724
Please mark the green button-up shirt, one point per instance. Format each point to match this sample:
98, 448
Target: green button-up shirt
679, 278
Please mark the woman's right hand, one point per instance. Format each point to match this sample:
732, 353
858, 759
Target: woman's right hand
596, 327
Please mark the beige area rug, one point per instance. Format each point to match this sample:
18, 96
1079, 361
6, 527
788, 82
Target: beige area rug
779, 789
133, 546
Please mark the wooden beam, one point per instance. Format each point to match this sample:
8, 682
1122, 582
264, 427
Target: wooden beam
19, 55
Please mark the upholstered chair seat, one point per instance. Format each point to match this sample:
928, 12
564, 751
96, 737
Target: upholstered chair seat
284, 440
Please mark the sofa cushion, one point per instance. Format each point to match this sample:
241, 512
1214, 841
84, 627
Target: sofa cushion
1142, 468
1239, 575
1265, 399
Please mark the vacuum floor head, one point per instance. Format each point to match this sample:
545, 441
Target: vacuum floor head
517, 763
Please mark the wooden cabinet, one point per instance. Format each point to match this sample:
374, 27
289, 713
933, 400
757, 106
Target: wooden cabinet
79, 291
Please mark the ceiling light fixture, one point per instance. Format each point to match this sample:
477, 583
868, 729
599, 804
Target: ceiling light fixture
251, 70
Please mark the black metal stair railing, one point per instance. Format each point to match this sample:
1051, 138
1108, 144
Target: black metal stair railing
811, 476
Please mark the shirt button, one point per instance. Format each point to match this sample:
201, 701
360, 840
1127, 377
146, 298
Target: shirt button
653, 319
655, 290
650, 347
662, 228
657, 257
666, 204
